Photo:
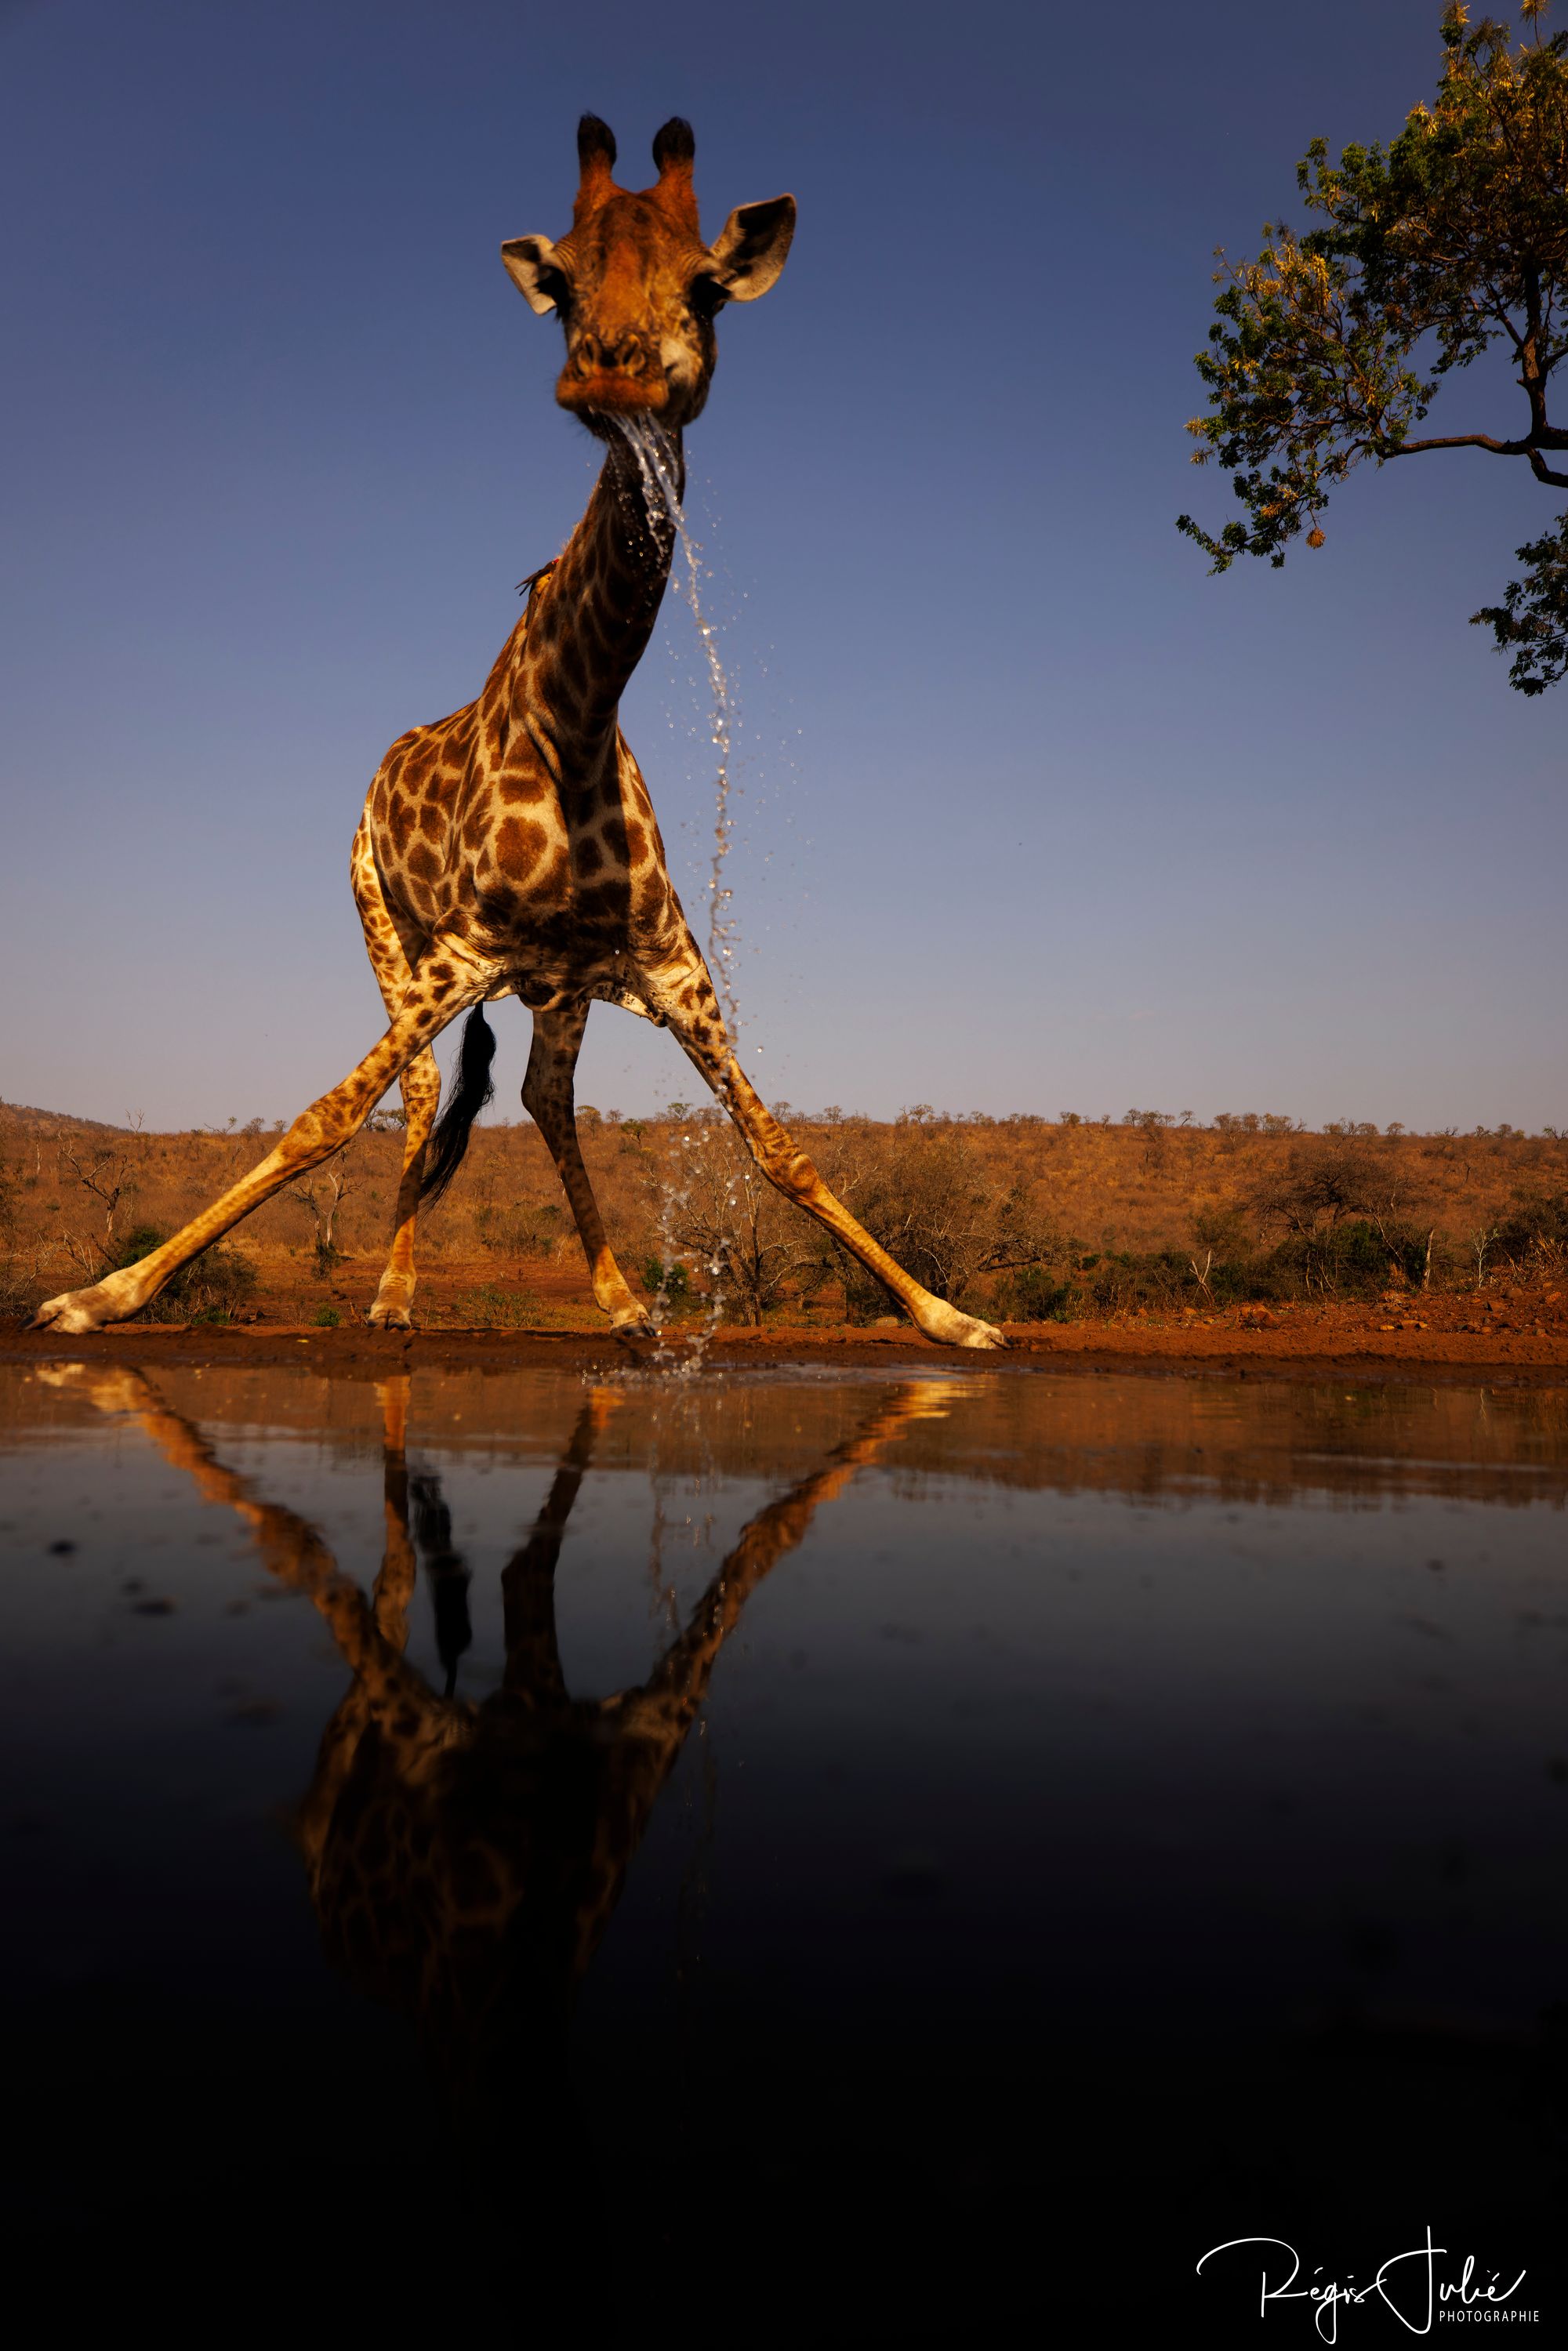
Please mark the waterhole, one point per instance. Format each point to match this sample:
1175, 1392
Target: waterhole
784, 1858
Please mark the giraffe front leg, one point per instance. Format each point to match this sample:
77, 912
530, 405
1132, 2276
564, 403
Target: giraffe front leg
421, 1084
548, 1100
684, 993
395, 950
324, 1128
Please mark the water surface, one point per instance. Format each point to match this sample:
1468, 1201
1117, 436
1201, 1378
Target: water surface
882, 1859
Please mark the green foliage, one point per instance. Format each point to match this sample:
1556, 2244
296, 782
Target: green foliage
673, 1283
1122, 1280
326, 1318
1328, 349
1535, 1228
207, 1289
1030, 1294
1127, 1281
1226, 1281
1349, 1212
1353, 1259
1533, 615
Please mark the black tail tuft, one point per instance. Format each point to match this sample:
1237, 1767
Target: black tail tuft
466, 1097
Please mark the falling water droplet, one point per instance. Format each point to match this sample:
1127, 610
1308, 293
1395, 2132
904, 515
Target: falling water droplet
656, 462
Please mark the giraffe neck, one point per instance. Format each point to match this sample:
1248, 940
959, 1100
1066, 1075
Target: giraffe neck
597, 611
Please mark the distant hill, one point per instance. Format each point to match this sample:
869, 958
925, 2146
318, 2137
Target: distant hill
34, 1121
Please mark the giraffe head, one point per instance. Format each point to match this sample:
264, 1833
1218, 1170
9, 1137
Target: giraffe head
636, 288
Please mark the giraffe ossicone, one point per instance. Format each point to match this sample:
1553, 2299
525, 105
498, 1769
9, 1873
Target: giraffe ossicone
512, 848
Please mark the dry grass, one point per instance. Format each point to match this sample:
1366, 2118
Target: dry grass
1022, 1217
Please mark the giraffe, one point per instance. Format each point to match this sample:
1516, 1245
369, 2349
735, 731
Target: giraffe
464, 1859
512, 848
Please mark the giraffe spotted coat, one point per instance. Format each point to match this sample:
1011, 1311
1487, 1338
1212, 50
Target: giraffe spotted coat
512, 847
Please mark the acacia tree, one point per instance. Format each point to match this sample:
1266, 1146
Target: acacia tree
321, 1200
1330, 349
111, 1172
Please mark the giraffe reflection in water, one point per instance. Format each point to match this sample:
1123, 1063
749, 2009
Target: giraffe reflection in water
465, 1857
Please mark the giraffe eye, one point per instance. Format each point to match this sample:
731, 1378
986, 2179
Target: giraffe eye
706, 296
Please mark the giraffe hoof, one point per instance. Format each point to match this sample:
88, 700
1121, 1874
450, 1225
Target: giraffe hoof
389, 1318
951, 1329
984, 1335
632, 1327
73, 1311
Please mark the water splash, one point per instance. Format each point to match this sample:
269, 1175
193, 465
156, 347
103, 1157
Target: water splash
679, 1351
658, 465
681, 1337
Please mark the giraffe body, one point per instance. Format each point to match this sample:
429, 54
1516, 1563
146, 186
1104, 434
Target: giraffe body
512, 848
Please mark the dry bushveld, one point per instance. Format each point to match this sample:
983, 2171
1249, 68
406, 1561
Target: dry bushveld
1028, 1219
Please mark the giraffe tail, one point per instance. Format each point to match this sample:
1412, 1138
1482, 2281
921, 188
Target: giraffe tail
470, 1090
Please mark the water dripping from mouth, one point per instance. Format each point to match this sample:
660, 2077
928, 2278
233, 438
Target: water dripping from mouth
656, 462
657, 465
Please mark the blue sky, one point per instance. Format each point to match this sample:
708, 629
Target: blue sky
1037, 815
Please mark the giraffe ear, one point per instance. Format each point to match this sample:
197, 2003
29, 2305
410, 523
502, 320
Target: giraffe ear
533, 270
752, 247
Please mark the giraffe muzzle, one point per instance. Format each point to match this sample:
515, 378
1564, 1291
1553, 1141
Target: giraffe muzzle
613, 372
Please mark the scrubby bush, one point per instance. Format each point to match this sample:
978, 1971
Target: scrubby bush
1347, 1209
924, 1190
671, 1283
1119, 1281
1533, 1236
1031, 1293
208, 1289
752, 1247
531, 1231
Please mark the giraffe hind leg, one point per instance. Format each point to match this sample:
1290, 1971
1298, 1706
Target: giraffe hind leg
548, 1099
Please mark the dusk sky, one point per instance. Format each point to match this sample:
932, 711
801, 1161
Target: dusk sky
1037, 815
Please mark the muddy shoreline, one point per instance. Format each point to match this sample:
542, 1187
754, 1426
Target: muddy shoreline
1429, 1357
